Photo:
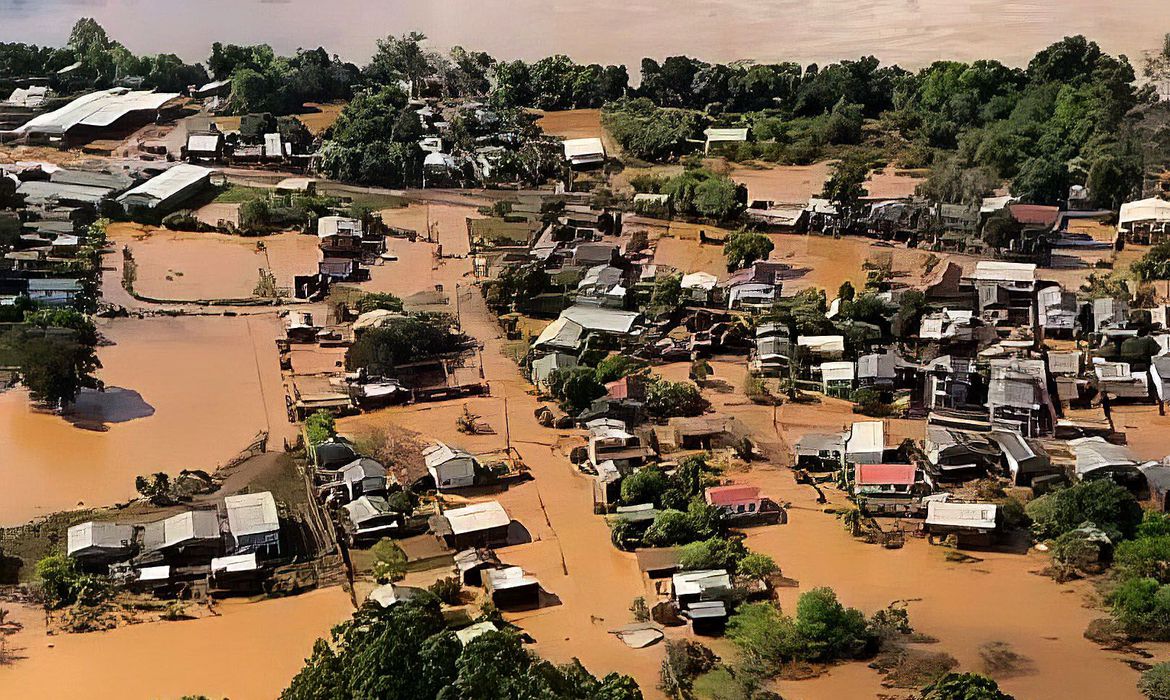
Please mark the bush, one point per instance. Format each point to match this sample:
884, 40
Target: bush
712, 553
389, 561
1155, 682
61, 583
1102, 502
757, 566
449, 590
667, 399
320, 427
644, 486
1141, 606
1145, 557
745, 247
378, 300
823, 630
964, 686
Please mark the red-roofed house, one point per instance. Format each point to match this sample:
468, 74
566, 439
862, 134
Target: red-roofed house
631, 387
885, 487
741, 501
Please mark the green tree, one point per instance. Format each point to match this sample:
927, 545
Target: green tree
374, 301
644, 486
389, 561
616, 366
576, 388
667, 294
719, 198
401, 58
414, 338
712, 553
1101, 501
55, 363
61, 583
743, 248
845, 188
666, 399
964, 686
320, 426
757, 565
1041, 181
1154, 264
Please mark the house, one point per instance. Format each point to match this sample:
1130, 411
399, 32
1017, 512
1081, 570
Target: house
971, 523
602, 286
339, 269
543, 367
54, 292
364, 477
949, 324
477, 525
1143, 222
511, 588
1057, 311
571, 329
837, 379
94, 544
689, 587
658, 562
253, 522
470, 563
370, 518
885, 488
237, 573
722, 136
755, 286
708, 617
194, 533
957, 455
1098, 459
821, 347
1118, 380
609, 441
94, 115
1109, 313
775, 216
204, 145
1158, 484
1005, 292
697, 287
1017, 396
1023, 458
165, 193
742, 503
877, 371
866, 443
950, 383
334, 453
1160, 377
450, 467
583, 153
339, 237
773, 351
820, 451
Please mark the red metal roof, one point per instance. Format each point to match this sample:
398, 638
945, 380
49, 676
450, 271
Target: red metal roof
729, 495
875, 474
1034, 214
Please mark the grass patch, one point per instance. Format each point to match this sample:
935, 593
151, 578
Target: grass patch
238, 194
718, 684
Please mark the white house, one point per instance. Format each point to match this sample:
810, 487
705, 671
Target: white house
584, 152
866, 443
450, 467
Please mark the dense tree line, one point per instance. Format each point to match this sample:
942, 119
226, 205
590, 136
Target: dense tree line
407, 652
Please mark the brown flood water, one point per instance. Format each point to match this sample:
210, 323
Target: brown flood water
187, 266
250, 651
186, 392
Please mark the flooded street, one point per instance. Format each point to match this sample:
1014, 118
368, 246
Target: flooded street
910, 32
186, 392
249, 651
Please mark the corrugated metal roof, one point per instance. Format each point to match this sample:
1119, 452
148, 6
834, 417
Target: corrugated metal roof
98, 109
477, 517
252, 513
977, 516
169, 183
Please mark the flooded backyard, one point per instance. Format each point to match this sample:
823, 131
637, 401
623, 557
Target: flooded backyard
186, 392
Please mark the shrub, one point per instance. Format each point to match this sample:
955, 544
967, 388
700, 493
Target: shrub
320, 427
745, 247
61, 583
1145, 557
964, 686
1142, 607
712, 553
389, 561
758, 566
447, 590
644, 486
1102, 502
378, 300
667, 399
1155, 682
822, 630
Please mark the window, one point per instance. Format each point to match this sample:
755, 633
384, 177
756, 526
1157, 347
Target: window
751, 507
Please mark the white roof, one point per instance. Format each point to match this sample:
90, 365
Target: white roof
1152, 209
866, 436
154, 573
998, 271
596, 319
990, 205
170, 183
333, 225
235, 563
837, 371
972, 515
252, 513
272, 145
692, 582
91, 534
560, 333
203, 143
510, 577
699, 280
716, 135
822, 343
440, 453
467, 634
100, 108
192, 525
582, 150
28, 97
477, 517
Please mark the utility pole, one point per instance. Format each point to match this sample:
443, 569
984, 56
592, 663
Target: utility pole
507, 426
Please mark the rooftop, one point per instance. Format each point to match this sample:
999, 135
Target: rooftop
251, 513
477, 517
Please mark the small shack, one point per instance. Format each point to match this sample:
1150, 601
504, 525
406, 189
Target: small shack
477, 525
471, 563
93, 544
369, 518
237, 573
254, 523
450, 467
694, 586
194, 534
510, 587
973, 524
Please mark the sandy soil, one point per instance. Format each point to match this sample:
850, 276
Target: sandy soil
182, 265
317, 117
173, 659
181, 393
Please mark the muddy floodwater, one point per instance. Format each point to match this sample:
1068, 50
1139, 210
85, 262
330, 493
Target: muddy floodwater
187, 392
909, 32
250, 651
